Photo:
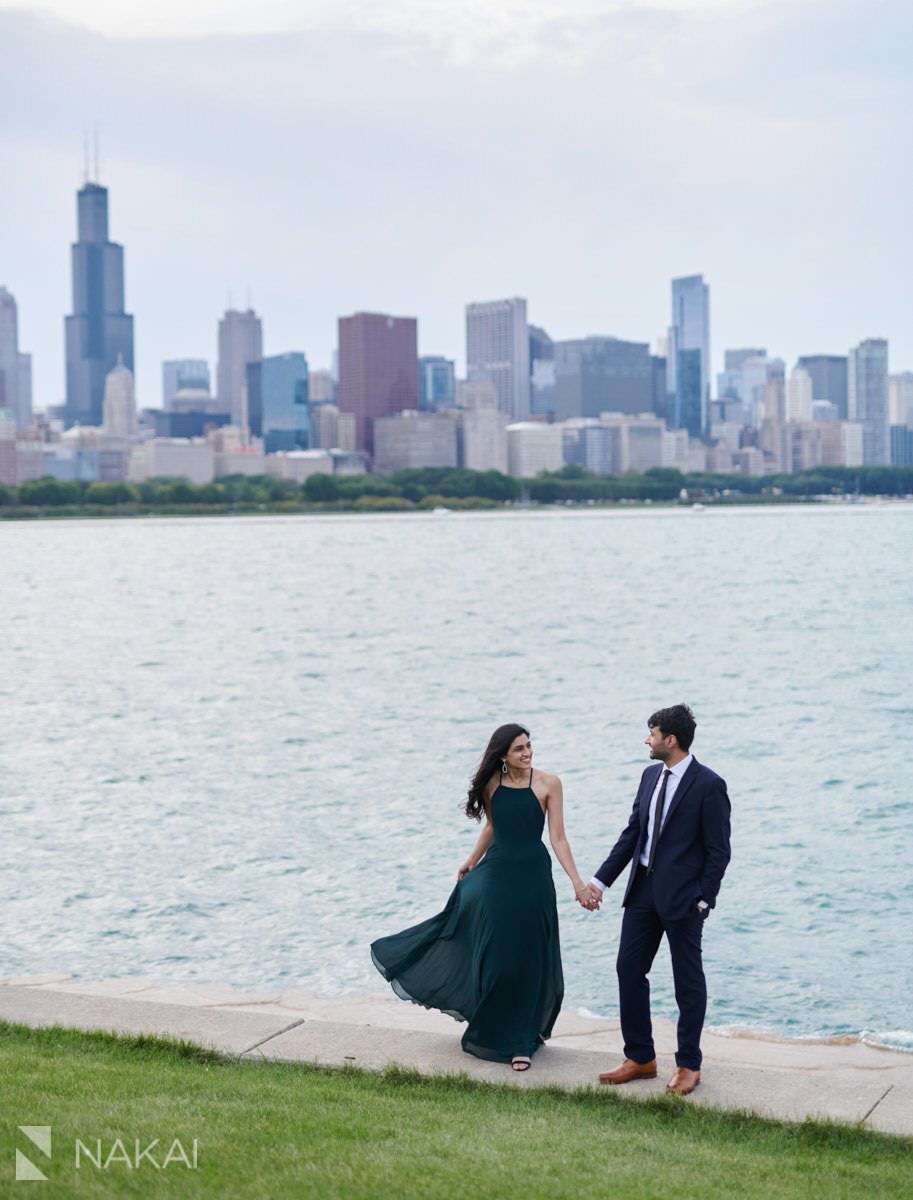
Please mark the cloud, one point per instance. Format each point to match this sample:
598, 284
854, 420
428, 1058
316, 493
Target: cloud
580, 160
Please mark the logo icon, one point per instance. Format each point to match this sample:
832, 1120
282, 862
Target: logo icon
40, 1136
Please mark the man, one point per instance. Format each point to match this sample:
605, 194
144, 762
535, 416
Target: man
677, 842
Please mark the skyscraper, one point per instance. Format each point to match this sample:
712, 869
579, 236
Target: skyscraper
541, 372
98, 330
277, 389
688, 358
900, 399
15, 367
240, 343
378, 369
867, 398
799, 395
497, 348
119, 410
602, 374
436, 382
744, 380
829, 379
181, 373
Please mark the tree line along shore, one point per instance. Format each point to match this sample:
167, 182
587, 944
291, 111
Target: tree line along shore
442, 487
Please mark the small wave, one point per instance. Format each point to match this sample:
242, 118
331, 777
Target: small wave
889, 1039
893, 1039
758, 1033
590, 1015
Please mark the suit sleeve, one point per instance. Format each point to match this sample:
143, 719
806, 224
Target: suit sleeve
715, 827
623, 850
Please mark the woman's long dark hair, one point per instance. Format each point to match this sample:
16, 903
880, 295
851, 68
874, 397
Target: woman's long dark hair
495, 751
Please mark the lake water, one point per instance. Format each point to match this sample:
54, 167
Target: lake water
235, 749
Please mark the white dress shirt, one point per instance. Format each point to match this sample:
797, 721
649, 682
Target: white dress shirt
675, 778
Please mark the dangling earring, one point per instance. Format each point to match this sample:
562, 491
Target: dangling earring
503, 766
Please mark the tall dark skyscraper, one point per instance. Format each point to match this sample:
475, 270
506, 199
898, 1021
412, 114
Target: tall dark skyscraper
98, 329
601, 374
829, 378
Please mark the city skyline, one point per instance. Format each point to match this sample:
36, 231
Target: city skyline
240, 341
710, 172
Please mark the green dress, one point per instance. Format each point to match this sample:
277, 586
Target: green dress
492, 958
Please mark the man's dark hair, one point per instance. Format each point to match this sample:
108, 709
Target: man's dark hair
677, 720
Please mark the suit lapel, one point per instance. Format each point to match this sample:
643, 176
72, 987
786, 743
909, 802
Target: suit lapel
684, 785
648, 795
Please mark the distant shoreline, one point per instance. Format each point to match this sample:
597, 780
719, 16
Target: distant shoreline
134, 512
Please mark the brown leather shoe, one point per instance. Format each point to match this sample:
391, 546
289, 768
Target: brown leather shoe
683, 1082
629, 1070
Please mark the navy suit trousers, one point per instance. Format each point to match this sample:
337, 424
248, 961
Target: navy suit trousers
642, 930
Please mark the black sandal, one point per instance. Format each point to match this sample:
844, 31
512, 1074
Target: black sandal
520, 1062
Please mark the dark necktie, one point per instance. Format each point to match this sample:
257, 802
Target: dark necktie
658, 819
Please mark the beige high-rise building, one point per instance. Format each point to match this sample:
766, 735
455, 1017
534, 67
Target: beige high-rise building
332, 429
497, 349
240, 343
750, 461
346, 432
900, 399
15, 367
799, 396
324, 426
9, 471
321, 388
801, 445
533, 447
841, 443
484, 427
675, 448
415, 439
119, 405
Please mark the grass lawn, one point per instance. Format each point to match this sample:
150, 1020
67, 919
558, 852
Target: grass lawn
269, 1130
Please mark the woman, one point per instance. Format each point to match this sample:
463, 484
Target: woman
492, 957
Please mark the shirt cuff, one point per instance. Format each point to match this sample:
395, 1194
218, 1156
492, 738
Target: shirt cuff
597, 883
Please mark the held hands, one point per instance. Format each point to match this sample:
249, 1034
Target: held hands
588, 897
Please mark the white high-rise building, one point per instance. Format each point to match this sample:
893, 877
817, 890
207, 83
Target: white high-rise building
119, 405
15, 367
484, 426
240, 343
497, 348
799, 395
533, 447
867, 398
900, 399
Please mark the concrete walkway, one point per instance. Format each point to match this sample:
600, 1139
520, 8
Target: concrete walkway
843, 1079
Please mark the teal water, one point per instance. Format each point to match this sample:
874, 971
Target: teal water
235, 749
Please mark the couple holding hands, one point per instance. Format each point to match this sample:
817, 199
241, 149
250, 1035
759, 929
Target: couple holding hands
492, 958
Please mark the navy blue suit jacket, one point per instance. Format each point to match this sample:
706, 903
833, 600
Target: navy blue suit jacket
693, 848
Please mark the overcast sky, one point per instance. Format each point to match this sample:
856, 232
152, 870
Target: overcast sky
412, 156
